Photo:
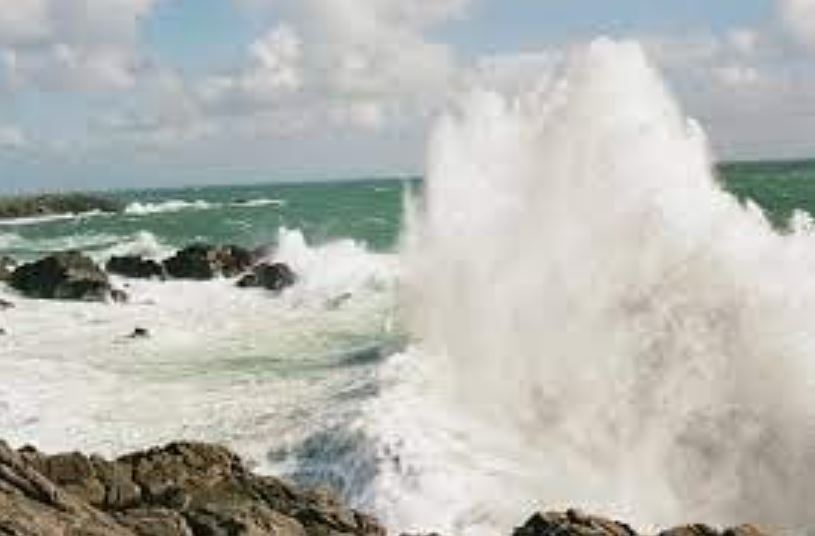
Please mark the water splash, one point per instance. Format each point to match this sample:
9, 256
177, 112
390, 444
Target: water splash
598, 323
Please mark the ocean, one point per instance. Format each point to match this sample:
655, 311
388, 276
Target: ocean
631, 335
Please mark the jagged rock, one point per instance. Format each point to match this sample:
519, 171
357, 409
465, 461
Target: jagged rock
140, 333
7, 265
276, 276
575, 523
201, 261
182, 489
135, 267
63, 276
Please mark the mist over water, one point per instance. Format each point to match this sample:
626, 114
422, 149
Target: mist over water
598, 323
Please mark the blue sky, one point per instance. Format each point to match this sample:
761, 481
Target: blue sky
123, 93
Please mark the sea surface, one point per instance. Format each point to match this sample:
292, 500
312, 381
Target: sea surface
572, 309
290, 381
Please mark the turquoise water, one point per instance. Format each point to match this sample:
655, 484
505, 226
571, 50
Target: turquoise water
367, 211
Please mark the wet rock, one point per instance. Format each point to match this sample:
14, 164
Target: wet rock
62, 276
202, 261
575, 523
135, 267
276, 276
140, 333
4, 304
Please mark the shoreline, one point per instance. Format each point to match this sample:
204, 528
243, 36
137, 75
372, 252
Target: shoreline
200, 489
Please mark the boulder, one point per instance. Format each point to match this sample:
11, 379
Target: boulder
135, 267
202, 261
63, 276
182, 489
276, 276
576, 523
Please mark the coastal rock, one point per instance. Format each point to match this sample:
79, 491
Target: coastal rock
576, 523
182, 489
51, 204
63, 276
202, 261
276, 276
135, 267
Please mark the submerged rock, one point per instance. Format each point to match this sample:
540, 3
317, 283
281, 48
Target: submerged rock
276, 276
202, 261
64, 276
182, 489
135, 267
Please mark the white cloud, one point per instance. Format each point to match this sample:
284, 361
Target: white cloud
71, 44
799, 15
737, 76
12, 137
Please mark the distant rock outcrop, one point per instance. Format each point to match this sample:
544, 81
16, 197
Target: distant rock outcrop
202, 261
276, 276
182, 489
62, 276
135, 267
56, 204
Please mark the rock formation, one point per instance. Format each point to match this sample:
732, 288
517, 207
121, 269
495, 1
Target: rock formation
63, 276
276, 276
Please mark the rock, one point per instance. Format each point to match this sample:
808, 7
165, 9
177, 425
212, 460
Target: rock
140, 333
119, 296
49, 204
5, 304
63, 276
201, 261
182, 489
276, 276
7, 265
575, 523
135, 267
196, 489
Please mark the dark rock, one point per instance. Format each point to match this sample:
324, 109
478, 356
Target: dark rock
5, 304
140, 333
64, 276
276, 276
135, 267
119, 296
49, 204
201, 261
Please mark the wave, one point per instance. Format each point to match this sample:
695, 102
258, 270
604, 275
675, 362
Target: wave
177, 205
13, 243
172, 205
596, 321
260, 202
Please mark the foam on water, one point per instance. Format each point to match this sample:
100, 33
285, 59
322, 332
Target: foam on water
171, 205
598, 324
244, 367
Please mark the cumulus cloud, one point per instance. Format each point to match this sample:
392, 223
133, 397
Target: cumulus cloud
799, 15
12, 137
71, 44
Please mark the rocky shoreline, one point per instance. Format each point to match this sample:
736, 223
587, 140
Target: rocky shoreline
55, 205
197, 489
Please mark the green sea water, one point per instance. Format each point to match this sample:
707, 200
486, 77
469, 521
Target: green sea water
369, 212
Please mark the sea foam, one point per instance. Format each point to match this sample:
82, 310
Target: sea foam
597, 322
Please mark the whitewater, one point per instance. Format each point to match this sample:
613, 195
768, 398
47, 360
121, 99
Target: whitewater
578, 314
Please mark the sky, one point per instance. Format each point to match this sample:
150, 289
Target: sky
142, 93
